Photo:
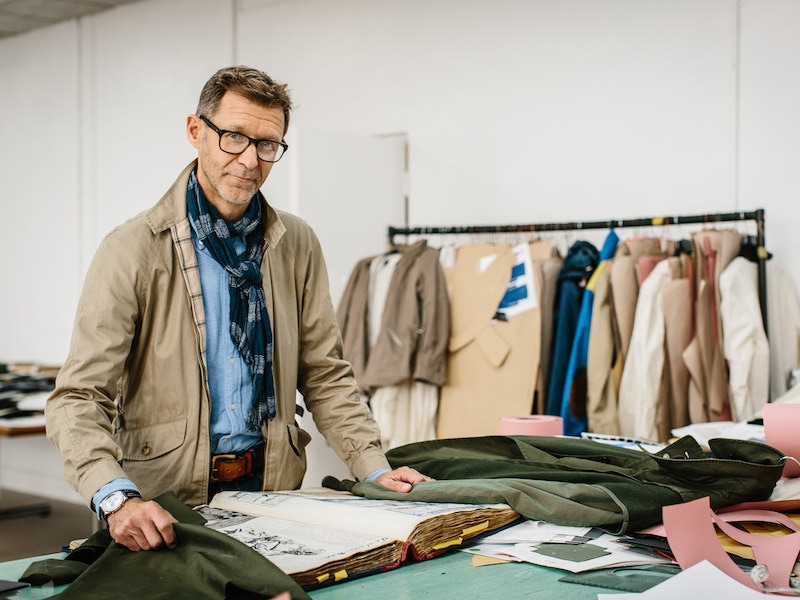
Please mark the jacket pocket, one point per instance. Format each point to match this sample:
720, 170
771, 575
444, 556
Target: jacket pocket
287, 466
151, 441
298, 439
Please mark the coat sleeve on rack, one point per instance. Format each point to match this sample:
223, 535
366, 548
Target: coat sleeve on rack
430, 364
352, 317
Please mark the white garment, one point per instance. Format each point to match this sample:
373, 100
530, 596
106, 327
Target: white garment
644, 363
381, 270
405, 413
744, 342
783, 328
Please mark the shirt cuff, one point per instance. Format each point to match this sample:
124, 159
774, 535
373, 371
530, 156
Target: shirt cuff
375, 474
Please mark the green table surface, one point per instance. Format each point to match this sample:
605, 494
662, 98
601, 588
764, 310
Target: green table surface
449, 576
453, 576
13, 570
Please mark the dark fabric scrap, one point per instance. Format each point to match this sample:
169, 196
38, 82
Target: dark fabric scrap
634, 578
206, 565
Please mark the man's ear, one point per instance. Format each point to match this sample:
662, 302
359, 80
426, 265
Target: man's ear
193, 130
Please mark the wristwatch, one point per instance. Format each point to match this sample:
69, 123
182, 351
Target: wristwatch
115, 500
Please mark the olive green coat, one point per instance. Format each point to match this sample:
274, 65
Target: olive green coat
572, 481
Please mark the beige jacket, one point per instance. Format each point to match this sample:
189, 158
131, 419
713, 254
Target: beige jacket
603, 361
132, 398
415, 323
709, 394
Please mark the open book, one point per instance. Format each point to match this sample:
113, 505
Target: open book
320, 536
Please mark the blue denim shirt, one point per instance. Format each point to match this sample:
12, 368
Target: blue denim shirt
229, 380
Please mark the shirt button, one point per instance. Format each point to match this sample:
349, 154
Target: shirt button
233, 406
233, 361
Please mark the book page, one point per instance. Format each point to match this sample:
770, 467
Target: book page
389, 518
292, 546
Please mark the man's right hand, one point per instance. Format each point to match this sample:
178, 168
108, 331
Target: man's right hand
142, 525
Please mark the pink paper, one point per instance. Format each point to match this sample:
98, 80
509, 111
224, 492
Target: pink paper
781, 424
692, 539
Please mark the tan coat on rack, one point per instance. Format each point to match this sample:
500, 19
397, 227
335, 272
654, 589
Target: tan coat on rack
676, 297
493, 365
603, 364
626, 278
546, 268
616, 294
709, 395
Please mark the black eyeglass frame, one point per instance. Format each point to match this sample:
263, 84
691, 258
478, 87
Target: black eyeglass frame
253, 141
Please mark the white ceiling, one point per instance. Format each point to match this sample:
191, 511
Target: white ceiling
19, 16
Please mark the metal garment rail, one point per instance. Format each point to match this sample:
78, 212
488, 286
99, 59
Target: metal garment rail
709, 219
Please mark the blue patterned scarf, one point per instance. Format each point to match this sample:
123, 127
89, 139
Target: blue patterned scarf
250, 328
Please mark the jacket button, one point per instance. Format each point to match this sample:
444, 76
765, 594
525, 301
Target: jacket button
146, 450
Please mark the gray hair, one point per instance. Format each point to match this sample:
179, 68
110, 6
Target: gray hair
255, 85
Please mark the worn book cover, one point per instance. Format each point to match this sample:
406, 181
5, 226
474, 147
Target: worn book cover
320, 536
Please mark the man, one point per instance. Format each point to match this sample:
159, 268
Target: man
199, 320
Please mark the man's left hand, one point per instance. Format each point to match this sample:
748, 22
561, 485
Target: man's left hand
401, 479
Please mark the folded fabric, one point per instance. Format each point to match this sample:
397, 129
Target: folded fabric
205, 565
53, 570
580, 482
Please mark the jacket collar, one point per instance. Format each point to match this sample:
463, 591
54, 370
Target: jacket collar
171, 209
411, 251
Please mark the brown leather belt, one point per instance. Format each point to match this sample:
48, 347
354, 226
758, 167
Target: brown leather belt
227, 467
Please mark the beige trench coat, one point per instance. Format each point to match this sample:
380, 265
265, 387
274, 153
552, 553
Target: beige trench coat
132, 399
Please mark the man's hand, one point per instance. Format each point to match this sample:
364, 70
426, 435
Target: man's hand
401, 479
141, 525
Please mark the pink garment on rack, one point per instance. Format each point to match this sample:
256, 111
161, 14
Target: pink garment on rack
645, 265
709, 274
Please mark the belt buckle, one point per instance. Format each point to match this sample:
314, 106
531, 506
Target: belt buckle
227, 467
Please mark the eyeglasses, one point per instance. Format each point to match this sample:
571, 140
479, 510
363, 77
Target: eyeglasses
233, 142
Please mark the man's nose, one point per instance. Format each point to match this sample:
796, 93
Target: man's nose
249, 157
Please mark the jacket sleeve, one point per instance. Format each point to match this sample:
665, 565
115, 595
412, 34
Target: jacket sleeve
81, 410
351, 317
430, 364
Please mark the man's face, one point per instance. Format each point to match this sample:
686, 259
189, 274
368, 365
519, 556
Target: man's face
230, 180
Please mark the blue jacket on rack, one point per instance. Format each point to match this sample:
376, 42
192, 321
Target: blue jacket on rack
582, 258
573, 401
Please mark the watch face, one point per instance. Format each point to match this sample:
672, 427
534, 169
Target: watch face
112, 502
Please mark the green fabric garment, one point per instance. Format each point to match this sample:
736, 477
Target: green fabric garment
55, 570
572, 481
206, 565
66, 570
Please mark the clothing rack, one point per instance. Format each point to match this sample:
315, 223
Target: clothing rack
702, 219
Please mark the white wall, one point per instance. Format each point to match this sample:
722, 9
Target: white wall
516, 111
40, 174
519, 111
769, 124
